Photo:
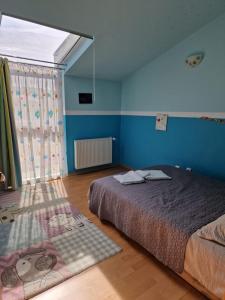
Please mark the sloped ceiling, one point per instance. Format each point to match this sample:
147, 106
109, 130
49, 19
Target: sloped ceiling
128, 33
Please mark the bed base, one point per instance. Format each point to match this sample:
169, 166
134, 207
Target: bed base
184, 275
193, 282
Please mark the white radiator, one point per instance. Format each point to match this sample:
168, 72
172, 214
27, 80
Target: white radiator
92, 152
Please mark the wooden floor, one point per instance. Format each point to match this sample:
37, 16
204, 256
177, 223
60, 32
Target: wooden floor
131, 274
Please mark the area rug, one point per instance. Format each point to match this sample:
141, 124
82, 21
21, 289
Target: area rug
44, 240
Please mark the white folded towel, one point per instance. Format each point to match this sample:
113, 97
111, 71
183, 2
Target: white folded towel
130, 177
157, 175
143, 173
139, 176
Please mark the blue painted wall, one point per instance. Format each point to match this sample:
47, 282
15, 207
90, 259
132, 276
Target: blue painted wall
81, 127
167, 84
188, 142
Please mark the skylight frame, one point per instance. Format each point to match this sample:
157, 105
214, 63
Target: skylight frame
75, 33
48, 25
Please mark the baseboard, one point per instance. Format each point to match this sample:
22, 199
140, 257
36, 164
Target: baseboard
98, 168
125, 167
95, 169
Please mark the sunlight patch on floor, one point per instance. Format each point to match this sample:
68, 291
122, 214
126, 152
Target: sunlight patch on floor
89, 285
42, 192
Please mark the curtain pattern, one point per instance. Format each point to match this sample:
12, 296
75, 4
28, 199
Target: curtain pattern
38, 101
9, 155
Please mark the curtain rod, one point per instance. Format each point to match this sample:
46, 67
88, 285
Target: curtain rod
32, 59
25, 63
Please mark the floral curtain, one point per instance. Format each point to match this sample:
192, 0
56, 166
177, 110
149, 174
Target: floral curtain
38, 106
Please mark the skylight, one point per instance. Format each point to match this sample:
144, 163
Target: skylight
30, 40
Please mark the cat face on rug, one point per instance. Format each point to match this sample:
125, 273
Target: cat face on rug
66, 220
8, 214
61, 219
34, 269
31, 266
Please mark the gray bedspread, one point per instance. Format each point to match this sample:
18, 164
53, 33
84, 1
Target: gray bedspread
160, 215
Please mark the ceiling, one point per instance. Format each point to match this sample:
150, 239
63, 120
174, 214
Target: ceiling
128, 33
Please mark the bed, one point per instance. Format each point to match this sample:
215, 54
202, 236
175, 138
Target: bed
163, 217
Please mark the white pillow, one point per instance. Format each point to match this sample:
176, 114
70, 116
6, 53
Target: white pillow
214, 231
